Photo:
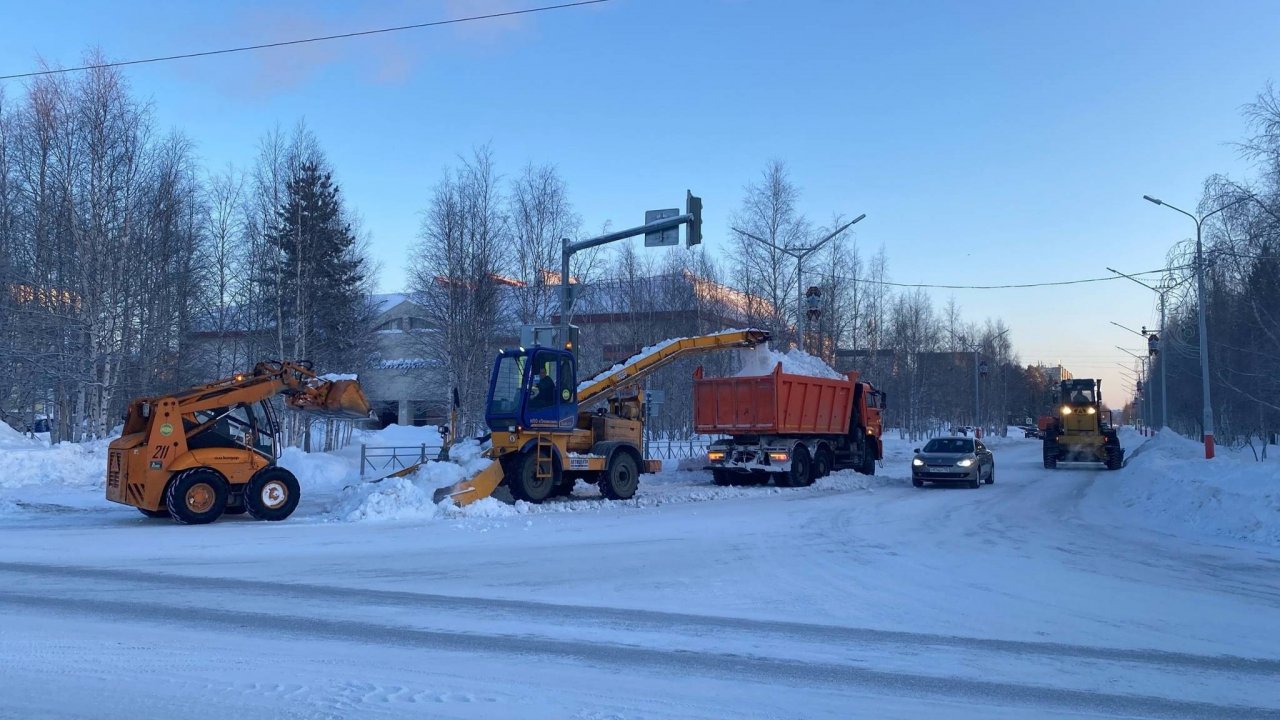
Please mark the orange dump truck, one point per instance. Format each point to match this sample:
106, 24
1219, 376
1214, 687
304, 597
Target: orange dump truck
790, 428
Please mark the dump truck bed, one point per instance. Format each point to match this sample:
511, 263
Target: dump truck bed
775, 404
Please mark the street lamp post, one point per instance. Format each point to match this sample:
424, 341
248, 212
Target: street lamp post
1145, 372
1163, 291
1204, 332
800, 254
976, 348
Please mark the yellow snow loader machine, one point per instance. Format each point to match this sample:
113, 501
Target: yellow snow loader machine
211, 449
547, 433
1082, 430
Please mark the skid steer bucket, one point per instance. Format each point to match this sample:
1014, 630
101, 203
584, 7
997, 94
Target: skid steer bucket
477, 487
332, 398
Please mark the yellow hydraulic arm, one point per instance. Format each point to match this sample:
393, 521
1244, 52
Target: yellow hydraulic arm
631, 371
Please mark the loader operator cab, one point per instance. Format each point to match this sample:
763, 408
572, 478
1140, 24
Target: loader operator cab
533, 388
246, 425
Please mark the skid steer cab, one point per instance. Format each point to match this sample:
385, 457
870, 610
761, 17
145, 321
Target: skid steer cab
211, 449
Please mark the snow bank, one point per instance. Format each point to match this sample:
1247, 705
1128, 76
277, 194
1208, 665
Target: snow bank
24, 461
411, 497
762, 360
1168, 486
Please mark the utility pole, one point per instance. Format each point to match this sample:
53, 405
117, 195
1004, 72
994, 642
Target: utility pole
1163, 291
800, 253
977, 349
1200, 301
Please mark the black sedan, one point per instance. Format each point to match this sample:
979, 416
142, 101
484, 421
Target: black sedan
953, 460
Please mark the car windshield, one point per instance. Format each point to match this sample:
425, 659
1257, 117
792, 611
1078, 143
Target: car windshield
949, 445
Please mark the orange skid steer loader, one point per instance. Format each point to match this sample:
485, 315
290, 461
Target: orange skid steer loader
211, 449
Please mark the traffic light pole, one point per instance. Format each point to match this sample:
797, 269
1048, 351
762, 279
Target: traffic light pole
692, 217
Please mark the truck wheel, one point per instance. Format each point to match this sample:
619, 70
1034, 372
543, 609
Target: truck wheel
801, 474
822, 463
197, 496
869, 463
1050, 455
271, 494
722, 478
621, 478
525, 484
1115, 457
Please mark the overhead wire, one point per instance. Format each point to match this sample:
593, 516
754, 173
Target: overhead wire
301, 41
996, 287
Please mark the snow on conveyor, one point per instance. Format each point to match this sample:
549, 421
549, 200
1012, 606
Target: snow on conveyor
757, 361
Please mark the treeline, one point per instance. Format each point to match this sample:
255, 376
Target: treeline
126, 268
1242, 299
487, 262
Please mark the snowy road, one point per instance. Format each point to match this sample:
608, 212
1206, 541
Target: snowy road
850, 599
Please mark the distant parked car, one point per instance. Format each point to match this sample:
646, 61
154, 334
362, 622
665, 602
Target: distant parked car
1031, 432
953, 460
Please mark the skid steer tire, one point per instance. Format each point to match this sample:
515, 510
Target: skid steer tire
524, 483
197, 496
723, 478
621, 478
271, 494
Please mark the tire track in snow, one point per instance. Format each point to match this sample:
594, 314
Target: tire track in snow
649, 620
599, 654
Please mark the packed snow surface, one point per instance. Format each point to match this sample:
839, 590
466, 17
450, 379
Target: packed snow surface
1145, 592
762, 360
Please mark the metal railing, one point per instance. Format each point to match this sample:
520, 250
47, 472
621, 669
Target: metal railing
678, 448
390, 458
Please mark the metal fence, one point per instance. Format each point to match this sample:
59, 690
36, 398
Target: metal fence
394, 457
678, 448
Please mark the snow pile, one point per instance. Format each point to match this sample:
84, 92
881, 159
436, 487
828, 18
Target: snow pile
411, 497
762, 360
1168, 486
24, 461
334, 377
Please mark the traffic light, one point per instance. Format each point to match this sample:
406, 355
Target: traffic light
693, 206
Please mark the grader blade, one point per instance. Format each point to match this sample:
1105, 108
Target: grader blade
474, 488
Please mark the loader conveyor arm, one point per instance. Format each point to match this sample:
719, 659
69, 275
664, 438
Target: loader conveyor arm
638, 367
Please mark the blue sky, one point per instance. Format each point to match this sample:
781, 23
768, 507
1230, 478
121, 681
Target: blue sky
988, 142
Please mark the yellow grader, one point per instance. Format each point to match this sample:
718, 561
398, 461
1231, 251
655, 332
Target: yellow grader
1082, 432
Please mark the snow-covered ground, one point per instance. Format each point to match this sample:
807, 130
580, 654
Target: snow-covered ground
1152, 591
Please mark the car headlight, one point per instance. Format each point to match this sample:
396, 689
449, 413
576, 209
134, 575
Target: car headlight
1066, 409
1092, 411
917, 462
965, 462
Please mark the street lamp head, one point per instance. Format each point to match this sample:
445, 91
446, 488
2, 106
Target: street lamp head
1157, 201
